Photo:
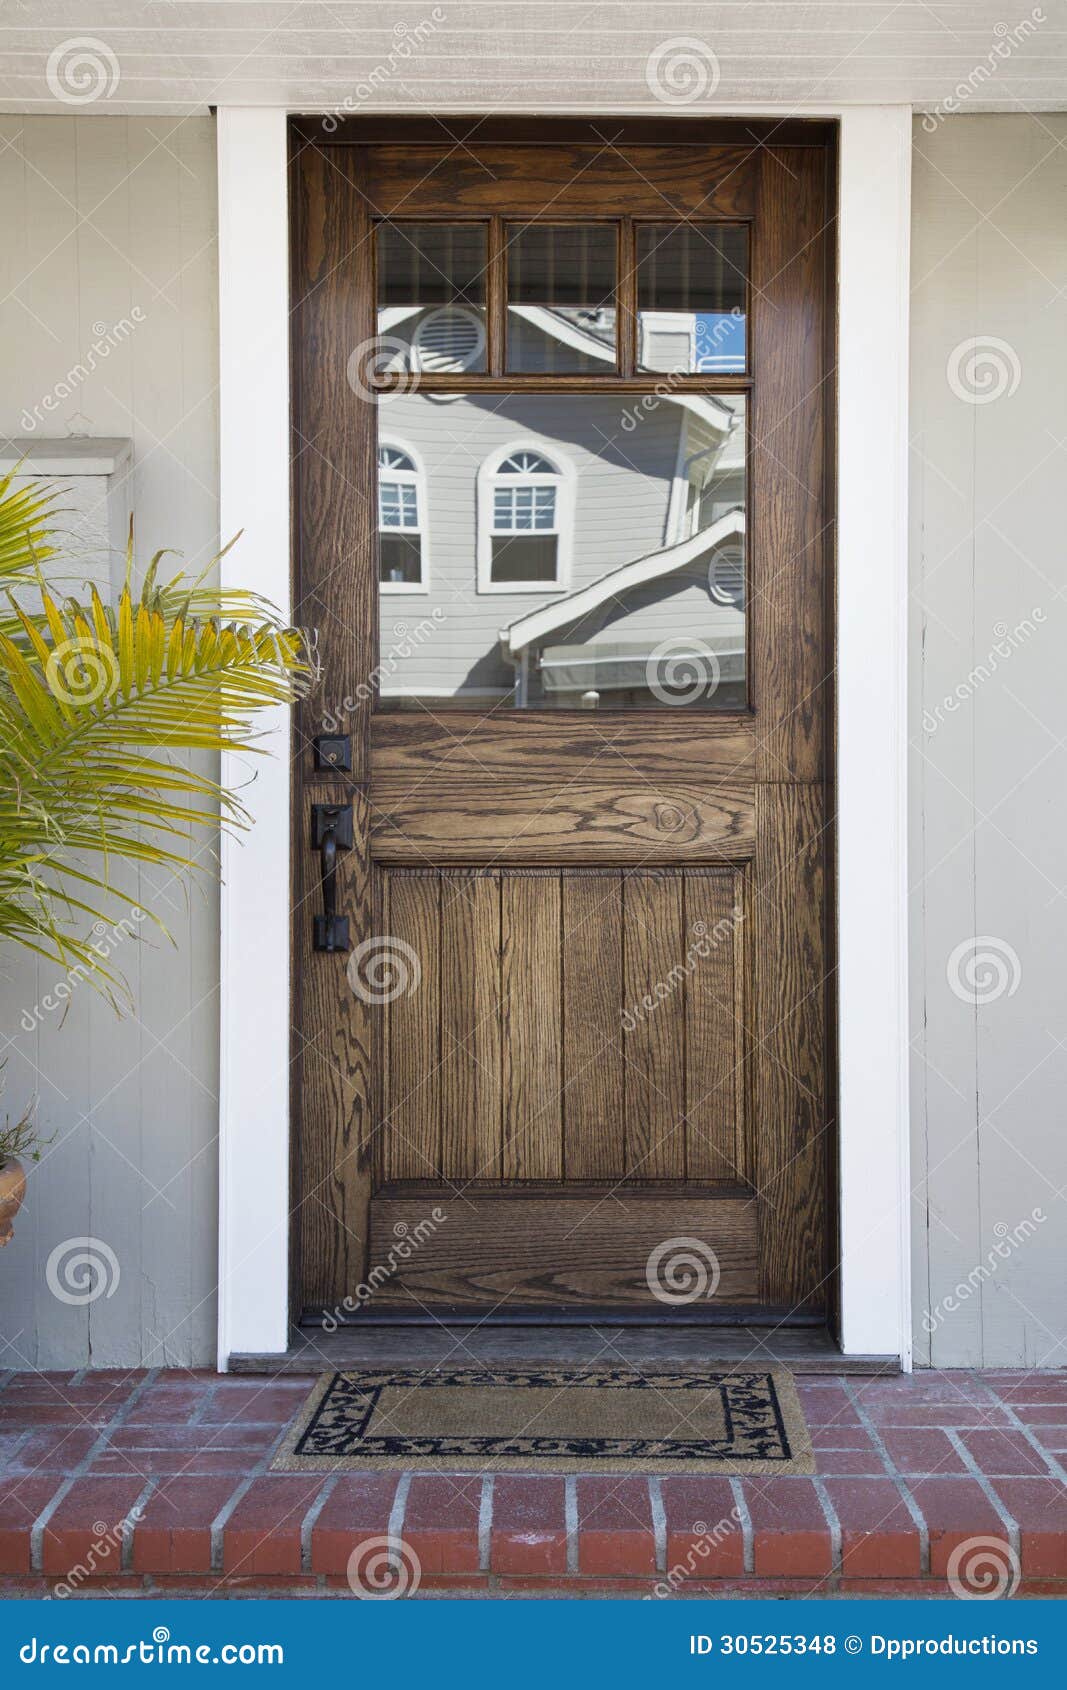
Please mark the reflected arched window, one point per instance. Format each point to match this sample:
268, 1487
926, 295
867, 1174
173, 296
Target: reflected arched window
524, 520
402, 550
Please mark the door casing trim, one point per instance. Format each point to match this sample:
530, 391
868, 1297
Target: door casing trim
874, 173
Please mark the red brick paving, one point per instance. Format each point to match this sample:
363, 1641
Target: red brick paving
897, 1491
529, 1532
615, 1527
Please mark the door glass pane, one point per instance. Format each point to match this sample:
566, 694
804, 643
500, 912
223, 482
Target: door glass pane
691, 297
562, 550
561, 298
431, 297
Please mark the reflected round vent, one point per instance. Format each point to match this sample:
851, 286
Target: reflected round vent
449, 339
726, 577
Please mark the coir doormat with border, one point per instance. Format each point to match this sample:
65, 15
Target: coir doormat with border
516, 1420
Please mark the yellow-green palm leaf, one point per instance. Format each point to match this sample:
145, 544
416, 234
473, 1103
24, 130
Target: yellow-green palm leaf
97, 704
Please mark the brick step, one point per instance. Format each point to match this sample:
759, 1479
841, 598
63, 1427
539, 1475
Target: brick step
153, 1482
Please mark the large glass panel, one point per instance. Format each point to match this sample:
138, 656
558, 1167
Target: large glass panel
431, 297
564, 551
691, 297
561, 298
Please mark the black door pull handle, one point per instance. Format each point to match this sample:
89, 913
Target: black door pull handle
331, 828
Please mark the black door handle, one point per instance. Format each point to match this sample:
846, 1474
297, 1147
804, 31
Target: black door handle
331, 828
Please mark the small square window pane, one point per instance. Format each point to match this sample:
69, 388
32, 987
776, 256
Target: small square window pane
692, 297
561, 298
528, 557
431, 297
400, 559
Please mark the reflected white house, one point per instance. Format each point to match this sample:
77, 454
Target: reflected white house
572, 549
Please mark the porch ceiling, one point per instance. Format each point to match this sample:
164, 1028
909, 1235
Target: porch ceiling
180, 56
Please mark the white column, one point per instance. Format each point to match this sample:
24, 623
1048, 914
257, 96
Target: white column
875, 181
254, 471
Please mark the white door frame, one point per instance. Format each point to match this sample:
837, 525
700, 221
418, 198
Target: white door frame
873, 231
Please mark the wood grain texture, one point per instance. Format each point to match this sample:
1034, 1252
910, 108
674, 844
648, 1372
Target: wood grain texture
334, 1069
790, 605
593, 1084
542, 821
410, 750
470, 1025
654, 947
787, 1015
714, 1031
588, 180
402, 968
557, 1249
334, 1030
532, 1026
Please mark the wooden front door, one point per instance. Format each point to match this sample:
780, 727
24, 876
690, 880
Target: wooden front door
561, 410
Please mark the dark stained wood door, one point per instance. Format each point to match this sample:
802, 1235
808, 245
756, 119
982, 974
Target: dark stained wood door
561, 410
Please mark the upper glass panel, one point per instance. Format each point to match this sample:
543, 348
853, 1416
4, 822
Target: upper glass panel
692, 297
561, 298
565, 550
431, 297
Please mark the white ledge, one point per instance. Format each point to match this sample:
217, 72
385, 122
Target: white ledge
78, 455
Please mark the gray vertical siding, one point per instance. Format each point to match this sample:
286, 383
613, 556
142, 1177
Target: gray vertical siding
989, 769
109, 220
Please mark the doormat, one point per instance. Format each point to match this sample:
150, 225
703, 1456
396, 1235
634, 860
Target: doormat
520, 1420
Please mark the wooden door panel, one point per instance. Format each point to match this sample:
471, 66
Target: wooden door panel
537, 821
558, 1249
788, 1011
560, 1025
419, 751
562, 181
471, 1079
532, 1030
589, 978
654, 941
594, 1137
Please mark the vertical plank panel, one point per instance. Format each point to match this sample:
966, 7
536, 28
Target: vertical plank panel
654, 1036
594, 1144
790, 652
470, 1025
714, 1045
788, 1018
408, 956
333, 447
531, 1023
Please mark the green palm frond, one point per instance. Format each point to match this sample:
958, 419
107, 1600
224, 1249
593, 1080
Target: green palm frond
97, 704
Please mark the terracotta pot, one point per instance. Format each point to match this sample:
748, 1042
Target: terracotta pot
12, 1191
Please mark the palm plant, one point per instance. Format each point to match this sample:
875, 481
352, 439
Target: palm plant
95, 700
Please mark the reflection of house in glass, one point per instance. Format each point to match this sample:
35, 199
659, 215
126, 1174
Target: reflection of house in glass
574, 550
